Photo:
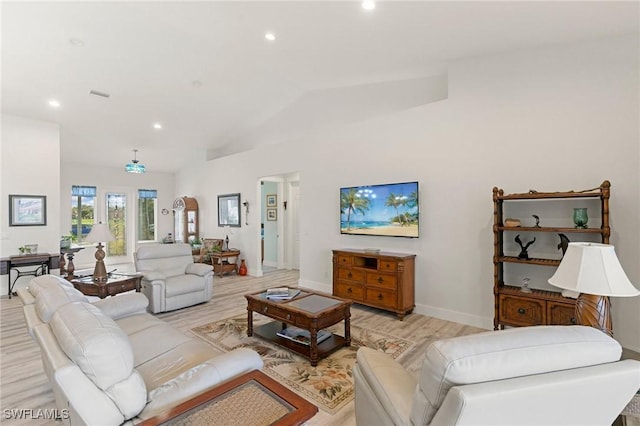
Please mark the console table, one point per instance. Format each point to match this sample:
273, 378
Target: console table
222, 264
43, 261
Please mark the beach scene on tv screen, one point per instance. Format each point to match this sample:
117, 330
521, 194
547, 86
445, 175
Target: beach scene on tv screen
388, 210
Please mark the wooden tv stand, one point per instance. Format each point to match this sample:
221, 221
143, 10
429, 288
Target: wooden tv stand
382, 280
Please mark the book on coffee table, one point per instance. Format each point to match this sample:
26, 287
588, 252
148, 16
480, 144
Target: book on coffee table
300, 335
282, 293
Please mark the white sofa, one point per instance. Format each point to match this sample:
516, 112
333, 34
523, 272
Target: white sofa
546, 375
111, 362
171, 280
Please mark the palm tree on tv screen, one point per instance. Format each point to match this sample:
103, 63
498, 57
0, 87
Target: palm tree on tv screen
396, 201
352, 203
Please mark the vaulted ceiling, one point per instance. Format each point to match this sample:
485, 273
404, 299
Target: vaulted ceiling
206, 73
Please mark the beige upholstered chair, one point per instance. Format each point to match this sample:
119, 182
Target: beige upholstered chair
545, 375
171, 279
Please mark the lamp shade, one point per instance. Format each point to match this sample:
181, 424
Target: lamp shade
593, 268
135, 168
100, 232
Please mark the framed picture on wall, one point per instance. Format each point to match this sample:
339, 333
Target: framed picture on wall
272, 200
272, 214
229, 210
27, 210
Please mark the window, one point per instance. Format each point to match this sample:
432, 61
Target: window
117, 219
147, 214
83, 203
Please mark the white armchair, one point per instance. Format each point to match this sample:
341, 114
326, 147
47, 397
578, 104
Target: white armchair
546, 375
171, 280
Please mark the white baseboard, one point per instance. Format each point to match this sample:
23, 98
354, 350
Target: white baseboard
459, 317
316, 286
432, 311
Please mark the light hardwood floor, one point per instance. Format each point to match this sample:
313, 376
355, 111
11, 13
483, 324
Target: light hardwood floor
23, 384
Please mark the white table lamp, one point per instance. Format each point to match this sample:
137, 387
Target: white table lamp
594, 271
100, 233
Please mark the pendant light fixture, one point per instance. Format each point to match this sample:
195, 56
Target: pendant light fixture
134, 166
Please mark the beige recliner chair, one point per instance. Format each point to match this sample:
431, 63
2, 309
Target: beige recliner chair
171, 280
545, 375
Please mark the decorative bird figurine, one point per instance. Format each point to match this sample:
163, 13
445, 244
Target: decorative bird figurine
523, 247
564, 243
537, 218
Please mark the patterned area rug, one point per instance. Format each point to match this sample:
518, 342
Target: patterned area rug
330, 384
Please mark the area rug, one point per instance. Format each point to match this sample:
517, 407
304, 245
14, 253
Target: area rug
330, 384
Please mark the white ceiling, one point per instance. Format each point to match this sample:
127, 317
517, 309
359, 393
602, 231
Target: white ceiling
147, 56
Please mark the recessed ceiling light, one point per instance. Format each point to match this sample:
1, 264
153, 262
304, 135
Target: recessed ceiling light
54, 103
157, 126
368, 4
270, 36
76, 42
196, 83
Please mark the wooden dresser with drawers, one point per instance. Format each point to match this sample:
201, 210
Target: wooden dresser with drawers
382, 280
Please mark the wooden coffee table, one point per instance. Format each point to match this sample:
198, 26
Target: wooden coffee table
309, 311
226, 404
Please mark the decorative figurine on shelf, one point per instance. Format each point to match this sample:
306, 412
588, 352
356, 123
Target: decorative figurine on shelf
537, 218
525, 286
564, 243
225, 247
523, 248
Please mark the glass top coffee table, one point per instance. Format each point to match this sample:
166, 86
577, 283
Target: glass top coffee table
308, 311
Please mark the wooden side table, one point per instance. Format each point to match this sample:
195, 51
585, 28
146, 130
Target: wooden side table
222, 264
115, 284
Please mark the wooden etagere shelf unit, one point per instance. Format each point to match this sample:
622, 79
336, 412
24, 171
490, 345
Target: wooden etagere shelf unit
540, 307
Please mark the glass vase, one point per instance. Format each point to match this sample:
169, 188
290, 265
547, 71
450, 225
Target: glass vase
580, 217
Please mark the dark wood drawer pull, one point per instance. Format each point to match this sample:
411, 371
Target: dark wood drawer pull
349, 290
573, 320
288, 316
380, 296
380, 280
521, 311
349, 275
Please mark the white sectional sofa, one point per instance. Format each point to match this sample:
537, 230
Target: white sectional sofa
111, 362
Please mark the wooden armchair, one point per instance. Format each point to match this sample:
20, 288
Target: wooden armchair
208, 245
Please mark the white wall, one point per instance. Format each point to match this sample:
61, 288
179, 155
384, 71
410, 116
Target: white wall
29, 165
551, 119
107, 178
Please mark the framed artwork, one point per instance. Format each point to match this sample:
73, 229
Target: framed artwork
27, 210
272, 200
229, 210
272, 214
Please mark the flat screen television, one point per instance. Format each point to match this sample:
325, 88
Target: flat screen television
390, 210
